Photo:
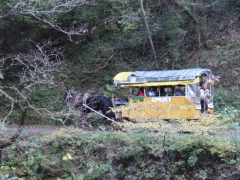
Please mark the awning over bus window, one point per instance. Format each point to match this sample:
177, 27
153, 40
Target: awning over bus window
168, 77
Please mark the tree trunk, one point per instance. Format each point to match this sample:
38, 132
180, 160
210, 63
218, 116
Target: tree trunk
8, 142
149, 34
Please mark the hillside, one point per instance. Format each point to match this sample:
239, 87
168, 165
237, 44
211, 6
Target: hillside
49, 47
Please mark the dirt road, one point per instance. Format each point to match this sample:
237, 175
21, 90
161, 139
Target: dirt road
35, 129
41, 129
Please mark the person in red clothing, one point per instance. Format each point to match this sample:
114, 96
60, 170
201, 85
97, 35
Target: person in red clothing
141, 92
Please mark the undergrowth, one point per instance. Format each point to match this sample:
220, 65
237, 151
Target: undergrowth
118, 155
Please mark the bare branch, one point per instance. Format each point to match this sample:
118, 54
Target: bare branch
212, 4
37, 67
69, 31
47, 11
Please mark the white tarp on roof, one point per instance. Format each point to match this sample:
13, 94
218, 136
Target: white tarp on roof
166, 75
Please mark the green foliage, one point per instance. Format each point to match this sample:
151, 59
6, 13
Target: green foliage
116, 91
117, 155
229, 117
90, 14
226, 98
192, 160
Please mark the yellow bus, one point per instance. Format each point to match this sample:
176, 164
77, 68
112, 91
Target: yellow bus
166, 94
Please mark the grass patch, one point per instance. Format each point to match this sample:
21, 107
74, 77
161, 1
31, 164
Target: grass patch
118, 155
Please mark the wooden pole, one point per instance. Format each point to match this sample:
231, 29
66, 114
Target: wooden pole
98, 112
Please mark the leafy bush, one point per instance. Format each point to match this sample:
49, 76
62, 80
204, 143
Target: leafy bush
226, 98
229, 117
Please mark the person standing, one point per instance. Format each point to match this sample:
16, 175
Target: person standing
204, 95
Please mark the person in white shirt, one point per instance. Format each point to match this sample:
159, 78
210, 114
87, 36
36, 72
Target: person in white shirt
150, 92
204, 95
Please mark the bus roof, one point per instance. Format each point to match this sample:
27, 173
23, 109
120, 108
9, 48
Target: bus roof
168, 77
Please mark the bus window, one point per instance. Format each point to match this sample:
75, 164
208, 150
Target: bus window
179, 91
166, 91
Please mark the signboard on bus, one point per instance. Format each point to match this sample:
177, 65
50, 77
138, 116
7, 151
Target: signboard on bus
161, 99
